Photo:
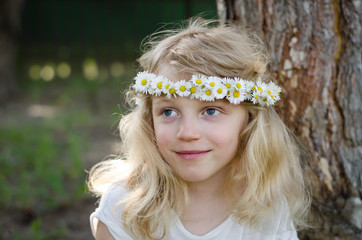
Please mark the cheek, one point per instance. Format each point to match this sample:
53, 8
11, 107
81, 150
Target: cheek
163, 136
164, 142
228, 139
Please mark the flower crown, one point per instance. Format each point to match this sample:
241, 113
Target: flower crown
236, 90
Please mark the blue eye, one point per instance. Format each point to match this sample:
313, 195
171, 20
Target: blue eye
168, 112
212, 111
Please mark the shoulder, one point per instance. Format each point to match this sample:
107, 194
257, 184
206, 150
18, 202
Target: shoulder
278, 222
275, 223
109, 212
114, 193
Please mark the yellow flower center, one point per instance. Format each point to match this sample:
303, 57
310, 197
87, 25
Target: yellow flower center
228, 85
144, 82
278, 93
193, 90
236, 94
260, 89
159, 85
272, 96
219, 91
198, 81
269, 92
238, 85
256, 96
208, 92
182, 88
253, 88
172, 90
167, 86
212, 84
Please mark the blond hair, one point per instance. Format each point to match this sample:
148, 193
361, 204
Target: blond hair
268, 168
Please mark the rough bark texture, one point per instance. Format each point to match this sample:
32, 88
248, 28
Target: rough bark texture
10, 11
315, 50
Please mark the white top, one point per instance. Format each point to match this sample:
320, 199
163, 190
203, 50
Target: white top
110, 215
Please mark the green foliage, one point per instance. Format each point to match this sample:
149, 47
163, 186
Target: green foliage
38, 163
43, 138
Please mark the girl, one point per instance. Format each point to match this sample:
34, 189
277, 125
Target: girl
205, 156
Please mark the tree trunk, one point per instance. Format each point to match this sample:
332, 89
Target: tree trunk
10, 11
315, 50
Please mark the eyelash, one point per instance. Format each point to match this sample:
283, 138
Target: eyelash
167, 110
214, 110
171, 111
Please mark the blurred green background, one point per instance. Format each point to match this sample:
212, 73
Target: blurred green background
73, 59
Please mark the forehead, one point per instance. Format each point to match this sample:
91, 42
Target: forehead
186, 101
169, 72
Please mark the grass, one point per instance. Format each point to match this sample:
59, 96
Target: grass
37, 163
42, 158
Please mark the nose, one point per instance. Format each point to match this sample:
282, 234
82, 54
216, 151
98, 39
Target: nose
189, 129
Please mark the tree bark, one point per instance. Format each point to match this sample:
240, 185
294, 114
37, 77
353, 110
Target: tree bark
10, 12
315, 48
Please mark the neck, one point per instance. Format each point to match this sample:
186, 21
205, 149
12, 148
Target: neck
208, 206
209, 189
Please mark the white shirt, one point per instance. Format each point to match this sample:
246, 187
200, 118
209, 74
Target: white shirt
229, 229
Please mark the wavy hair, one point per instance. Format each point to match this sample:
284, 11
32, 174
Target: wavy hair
268, 168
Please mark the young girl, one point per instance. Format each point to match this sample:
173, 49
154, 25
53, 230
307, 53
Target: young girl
205, 155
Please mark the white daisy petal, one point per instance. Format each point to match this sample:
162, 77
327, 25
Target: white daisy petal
198, 80
211, 88
228, 82
236, 96
158, 85
143, 81
195, 91
207, 94
220, 90
170, 89
182, 88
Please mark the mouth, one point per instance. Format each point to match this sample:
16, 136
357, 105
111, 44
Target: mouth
191, 155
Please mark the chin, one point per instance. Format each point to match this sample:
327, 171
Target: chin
193, 177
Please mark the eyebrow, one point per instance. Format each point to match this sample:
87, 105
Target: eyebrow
163, 100
172, 100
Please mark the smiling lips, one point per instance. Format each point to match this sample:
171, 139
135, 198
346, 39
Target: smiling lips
191, 155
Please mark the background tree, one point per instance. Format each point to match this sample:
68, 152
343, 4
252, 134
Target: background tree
10, 12
316, 56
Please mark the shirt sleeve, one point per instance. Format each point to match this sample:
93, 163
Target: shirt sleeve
276, 225
286, 229
110, 214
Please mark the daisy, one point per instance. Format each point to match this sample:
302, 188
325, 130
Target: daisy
220, 90
143, 81
166, 86
207, 94
236, 96
249, 86
255, 98
274, 91
212, 81
259, 91
227, 82
182, 88
198, 80
261, 88
170, 89
158, 85
240, 85
195, 91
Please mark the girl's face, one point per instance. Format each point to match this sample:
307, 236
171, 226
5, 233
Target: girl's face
198, 139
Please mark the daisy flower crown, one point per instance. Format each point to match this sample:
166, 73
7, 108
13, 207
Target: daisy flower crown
235, 90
